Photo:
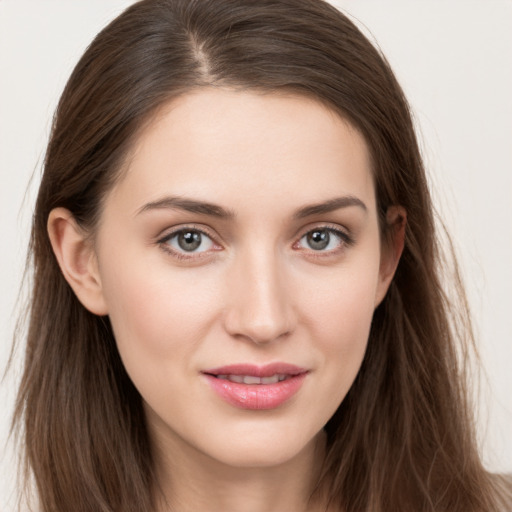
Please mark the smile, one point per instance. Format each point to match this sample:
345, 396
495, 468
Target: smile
256, 388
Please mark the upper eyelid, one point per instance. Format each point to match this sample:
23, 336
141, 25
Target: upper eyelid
336, 228
168, 233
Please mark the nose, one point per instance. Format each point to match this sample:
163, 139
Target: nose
260, 303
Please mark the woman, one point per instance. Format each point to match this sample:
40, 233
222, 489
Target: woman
236, 301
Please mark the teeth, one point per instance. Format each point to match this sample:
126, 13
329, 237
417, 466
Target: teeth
251, 379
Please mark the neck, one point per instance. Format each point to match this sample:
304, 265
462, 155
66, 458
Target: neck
190, 481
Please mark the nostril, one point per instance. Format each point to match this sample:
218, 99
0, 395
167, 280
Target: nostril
260, 335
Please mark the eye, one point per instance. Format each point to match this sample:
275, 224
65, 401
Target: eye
191, 241
324, 240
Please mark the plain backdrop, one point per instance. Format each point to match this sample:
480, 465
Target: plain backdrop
454, 60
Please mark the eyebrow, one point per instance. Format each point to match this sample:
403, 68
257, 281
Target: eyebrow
189, 205
329, 206
214, 210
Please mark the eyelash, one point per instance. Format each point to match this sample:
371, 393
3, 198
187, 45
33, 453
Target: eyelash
164, 243
345, 241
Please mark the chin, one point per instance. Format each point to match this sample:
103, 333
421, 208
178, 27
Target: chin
258, 447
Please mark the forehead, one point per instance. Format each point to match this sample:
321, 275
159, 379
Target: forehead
228, 146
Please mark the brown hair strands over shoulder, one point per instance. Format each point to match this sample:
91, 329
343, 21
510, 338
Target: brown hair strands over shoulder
403, 438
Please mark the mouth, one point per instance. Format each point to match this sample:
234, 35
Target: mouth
256, 387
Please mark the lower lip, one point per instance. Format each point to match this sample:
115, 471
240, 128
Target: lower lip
256, 396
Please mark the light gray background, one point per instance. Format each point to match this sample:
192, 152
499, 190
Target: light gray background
454, 60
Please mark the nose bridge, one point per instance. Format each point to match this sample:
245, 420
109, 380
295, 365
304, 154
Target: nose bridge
260, 306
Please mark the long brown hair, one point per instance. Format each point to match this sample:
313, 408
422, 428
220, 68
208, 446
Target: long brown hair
403, 438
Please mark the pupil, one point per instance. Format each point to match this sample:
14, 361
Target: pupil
189, 240
318, 239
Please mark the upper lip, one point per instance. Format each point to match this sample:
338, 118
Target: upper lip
257, 371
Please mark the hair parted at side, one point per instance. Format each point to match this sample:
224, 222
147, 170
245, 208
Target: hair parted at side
403, 437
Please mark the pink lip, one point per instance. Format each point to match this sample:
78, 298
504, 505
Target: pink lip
256, 396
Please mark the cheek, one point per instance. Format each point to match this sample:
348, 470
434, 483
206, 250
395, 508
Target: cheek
156, 311
340, 305
340, 312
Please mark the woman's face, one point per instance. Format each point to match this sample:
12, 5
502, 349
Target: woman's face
240, 264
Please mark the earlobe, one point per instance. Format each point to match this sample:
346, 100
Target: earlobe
392, 248
77, 259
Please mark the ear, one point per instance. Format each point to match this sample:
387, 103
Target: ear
392, 247
77, 259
